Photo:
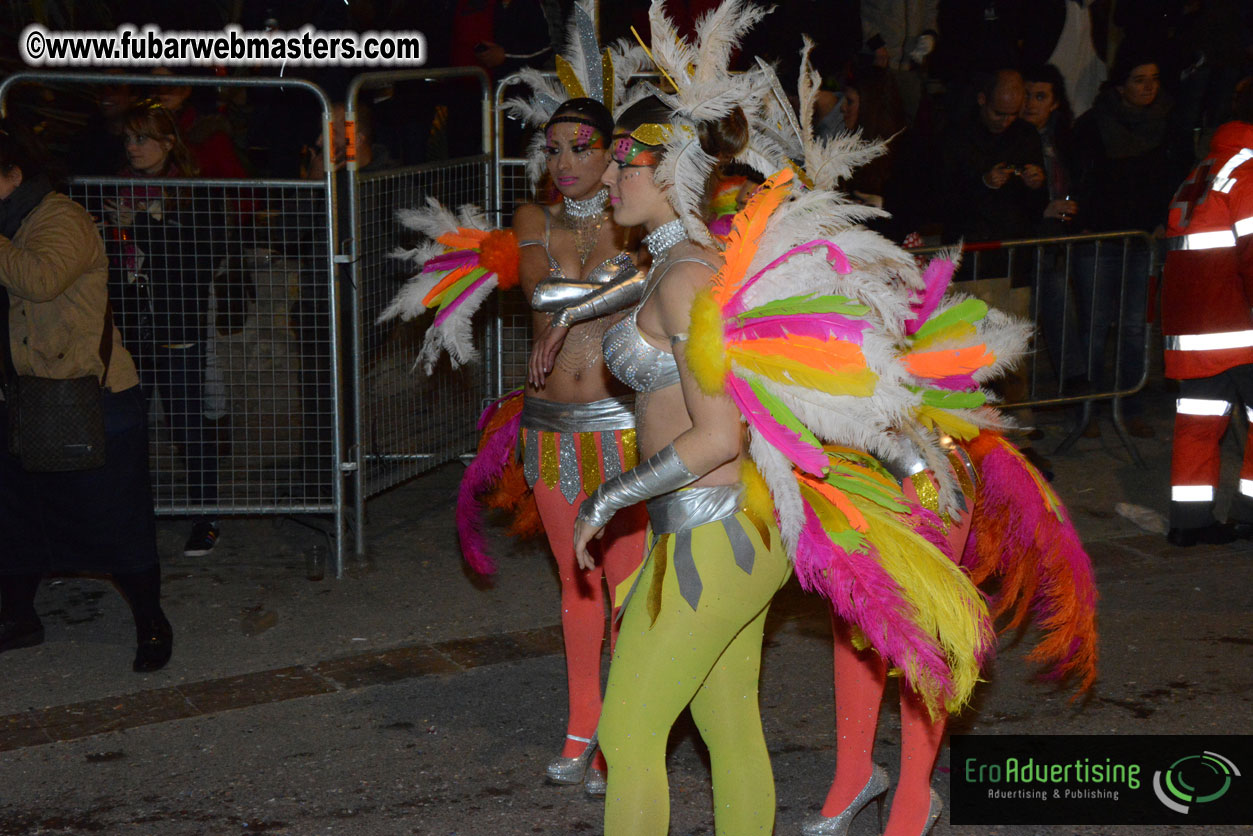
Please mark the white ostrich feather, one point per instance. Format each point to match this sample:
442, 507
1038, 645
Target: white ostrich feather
455, 334
807, 87
536, 159
546, 95
685, 170
408, 302
718, 33
431, 220
776, 469
671, 53
779, 107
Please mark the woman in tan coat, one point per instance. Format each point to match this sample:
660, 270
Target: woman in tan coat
55, 323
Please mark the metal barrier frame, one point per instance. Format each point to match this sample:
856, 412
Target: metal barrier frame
352, 256
335, 506
973, 251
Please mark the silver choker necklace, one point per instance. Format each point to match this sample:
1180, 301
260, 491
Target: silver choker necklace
584, 209
661, 239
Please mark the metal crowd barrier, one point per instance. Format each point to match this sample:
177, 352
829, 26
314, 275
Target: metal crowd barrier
227, 283
1088, 297
405, 422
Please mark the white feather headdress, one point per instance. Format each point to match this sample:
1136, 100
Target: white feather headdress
704, 90
584, 70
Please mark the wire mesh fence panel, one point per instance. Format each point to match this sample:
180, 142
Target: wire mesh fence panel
411, 422
514, 347
221, 294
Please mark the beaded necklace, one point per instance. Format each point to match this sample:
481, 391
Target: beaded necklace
584, 218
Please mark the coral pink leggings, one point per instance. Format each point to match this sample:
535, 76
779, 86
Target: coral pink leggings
583, 597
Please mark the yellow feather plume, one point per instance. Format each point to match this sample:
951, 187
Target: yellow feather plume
705, 355
860, 382
959, 330
946, 422
756, 492
946, 604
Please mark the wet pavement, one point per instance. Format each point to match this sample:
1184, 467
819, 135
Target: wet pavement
411, 698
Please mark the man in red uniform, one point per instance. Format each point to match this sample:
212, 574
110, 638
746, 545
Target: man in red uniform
1207, 320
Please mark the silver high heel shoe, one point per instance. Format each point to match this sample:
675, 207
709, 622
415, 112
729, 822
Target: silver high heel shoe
572, 770
933, 812
876, 788
596, 783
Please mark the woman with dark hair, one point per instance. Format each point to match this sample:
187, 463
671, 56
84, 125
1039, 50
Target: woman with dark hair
1124, 177
691, 635
1047, 109
572, 426
577, 420
167, 265
55, 322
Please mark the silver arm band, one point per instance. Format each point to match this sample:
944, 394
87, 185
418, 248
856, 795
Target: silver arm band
661, 473
623, 291
551, 295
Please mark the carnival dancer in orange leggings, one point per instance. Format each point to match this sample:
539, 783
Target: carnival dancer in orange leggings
573, 424
577, 421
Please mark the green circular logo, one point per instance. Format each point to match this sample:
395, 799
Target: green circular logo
1194, 779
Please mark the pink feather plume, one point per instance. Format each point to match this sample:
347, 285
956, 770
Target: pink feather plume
1037, 553
482, 473
864, 595
452, 306
936, 279
819, 326
805, 456
835, 257
451, 261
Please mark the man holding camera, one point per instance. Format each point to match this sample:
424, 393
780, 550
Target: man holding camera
992, 167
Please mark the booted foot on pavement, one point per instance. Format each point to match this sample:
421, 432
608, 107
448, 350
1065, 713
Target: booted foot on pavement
154, 645
1214, 534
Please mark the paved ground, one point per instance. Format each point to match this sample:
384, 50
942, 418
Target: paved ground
409, 699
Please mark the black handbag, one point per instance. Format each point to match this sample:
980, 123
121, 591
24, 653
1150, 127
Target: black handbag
57, 425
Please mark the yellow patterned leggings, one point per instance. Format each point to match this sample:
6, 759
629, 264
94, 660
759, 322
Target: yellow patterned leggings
708, 657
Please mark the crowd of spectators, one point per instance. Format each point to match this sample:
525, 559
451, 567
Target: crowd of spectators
930, 74
1004, 119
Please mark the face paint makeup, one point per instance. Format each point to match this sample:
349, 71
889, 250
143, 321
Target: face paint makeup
630, 152
587, 137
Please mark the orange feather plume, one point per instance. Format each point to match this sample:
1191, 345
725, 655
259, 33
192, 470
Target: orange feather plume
746, 231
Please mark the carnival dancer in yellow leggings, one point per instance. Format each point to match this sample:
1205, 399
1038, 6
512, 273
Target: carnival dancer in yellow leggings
694, 613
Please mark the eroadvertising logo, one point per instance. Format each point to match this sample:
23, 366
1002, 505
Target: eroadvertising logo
1101, 779
1211, 771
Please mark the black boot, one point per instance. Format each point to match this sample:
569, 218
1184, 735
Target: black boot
19, 623
154, 638
154, 644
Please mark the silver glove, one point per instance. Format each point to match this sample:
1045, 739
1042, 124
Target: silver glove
626, 288
661, 473
551, 295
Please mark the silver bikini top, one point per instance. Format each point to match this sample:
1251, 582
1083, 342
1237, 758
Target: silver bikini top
559, 290
632, 359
